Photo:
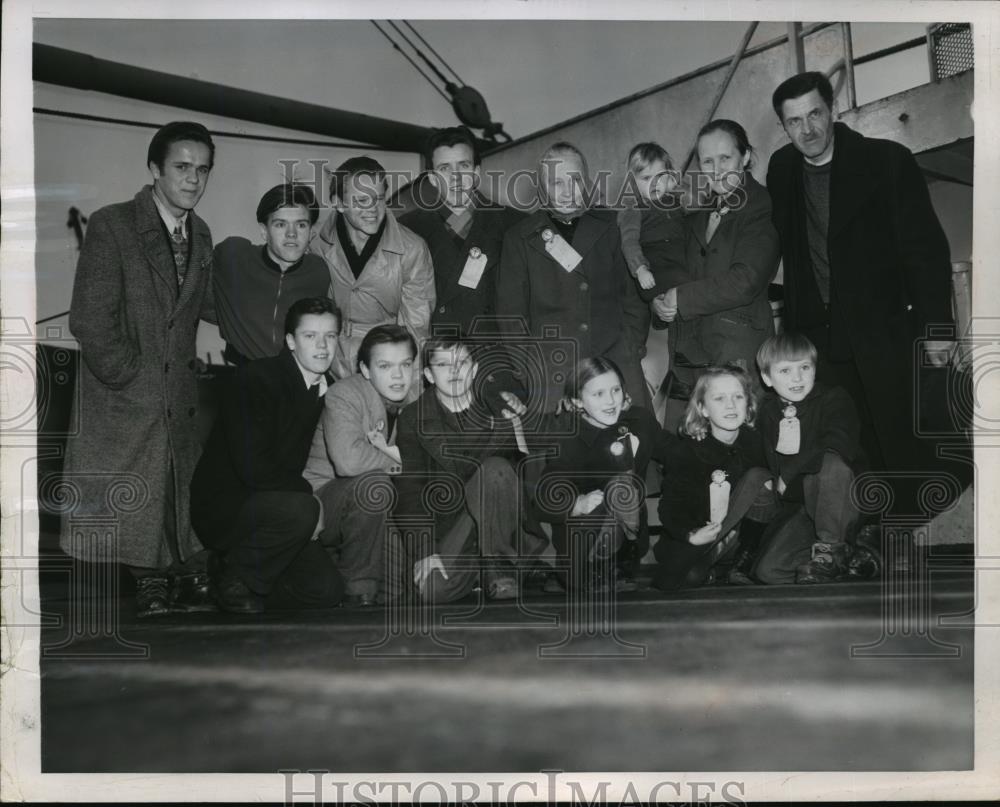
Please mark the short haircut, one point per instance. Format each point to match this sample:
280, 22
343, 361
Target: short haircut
452, 136
563, 149
356, 166
288, 195
175, 132
733, 129
440, 344
310, 305
694, 423
799, 85
384, 335
787, 346
645, 154
588, 369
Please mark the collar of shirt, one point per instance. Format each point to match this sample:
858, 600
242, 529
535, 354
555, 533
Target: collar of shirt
270, 263
309, 385
169, 218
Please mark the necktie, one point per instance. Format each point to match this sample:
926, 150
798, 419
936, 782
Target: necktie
178, 244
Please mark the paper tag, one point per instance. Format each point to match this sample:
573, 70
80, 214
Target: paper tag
475, 264
788, 436
522, 444
718, 501
557, 246
635, 444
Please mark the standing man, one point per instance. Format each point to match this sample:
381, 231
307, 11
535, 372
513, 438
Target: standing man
142, 283
464, 232
249, 501
354, 452
381, 272
562, 269
867, 265
255, 284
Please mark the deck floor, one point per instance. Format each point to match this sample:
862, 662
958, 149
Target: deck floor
719, 678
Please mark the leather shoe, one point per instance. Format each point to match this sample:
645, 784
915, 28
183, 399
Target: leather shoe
191, 594
232, 595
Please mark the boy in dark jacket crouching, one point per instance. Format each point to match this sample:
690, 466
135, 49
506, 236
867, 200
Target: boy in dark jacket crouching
811, 439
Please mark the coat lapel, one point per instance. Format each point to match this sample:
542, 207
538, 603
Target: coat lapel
149, 227
850, 181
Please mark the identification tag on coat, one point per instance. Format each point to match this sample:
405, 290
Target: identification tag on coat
557, 246
789, 435
475, 265
718, 497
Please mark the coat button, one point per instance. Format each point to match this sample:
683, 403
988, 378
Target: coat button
584, 326
169, 412
441, 310
191, 364
703, 252
170, 324
191, 411
166, 367
584, 286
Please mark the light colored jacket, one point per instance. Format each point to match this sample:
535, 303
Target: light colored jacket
340, 446
396, 287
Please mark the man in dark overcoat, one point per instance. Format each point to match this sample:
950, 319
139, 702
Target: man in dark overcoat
866, 265
143, 281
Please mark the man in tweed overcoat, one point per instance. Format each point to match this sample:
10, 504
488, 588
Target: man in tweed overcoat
142, 283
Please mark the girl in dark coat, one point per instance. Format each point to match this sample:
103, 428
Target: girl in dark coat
593, 490
716, 489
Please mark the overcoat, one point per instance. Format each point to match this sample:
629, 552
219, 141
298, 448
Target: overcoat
460, 307
594, 310
134, 443
890, 270
723, 311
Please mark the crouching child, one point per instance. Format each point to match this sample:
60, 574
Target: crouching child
811, 437
717, 494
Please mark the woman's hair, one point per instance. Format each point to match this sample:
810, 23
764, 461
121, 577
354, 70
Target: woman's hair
695, 424
734, 130
587, 369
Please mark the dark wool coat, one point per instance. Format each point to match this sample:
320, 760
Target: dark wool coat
723, 311
890, 269
684, 504
434, 448
458, 306
260, 442
584, 461
595, 310
135, 412
828, 421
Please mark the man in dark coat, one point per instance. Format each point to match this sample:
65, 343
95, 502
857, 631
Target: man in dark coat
563, 279
142, 283
249, 501
464, 231
866, 264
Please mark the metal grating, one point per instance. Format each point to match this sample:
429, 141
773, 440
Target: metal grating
950, 49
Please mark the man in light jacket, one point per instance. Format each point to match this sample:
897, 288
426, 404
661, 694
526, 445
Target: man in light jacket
380, 271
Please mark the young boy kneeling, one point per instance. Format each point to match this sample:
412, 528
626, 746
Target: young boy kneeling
811, 439
458, 461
